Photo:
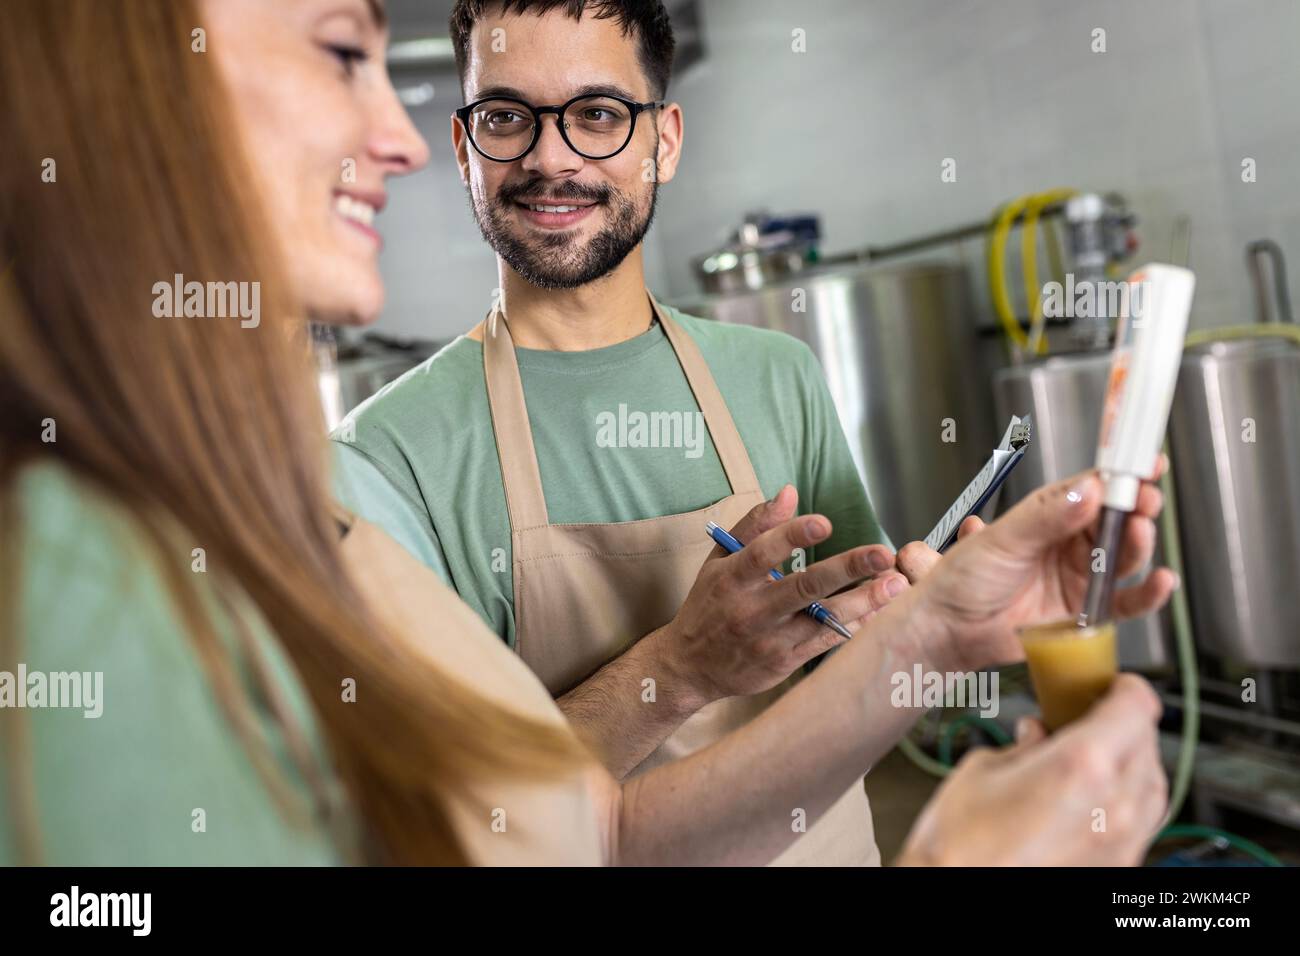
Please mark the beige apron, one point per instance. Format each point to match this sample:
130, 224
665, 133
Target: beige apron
584, 593
498, 822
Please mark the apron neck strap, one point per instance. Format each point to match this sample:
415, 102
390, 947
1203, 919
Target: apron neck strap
722, 427
520, 474
514, 435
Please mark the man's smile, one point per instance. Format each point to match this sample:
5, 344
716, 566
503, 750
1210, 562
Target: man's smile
554, 215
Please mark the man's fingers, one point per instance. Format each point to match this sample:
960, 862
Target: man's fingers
850, 608
822, 579
867, 598
819, 643
880, 558
763, 517
972, 525
776, 546
1146, 597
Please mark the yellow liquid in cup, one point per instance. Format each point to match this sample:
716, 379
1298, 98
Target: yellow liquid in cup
1070, 667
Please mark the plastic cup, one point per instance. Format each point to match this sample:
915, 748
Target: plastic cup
1070, 667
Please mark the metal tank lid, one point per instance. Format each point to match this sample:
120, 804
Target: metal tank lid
1061, 362
1230, 347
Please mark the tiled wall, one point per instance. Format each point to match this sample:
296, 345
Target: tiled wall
856, 128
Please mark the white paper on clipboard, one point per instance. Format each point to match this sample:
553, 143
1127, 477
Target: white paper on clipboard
977, 494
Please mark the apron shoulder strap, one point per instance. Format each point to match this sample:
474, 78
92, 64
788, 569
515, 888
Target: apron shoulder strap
722, 427
525, 500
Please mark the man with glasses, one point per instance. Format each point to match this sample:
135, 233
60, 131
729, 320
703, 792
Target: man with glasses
559, 463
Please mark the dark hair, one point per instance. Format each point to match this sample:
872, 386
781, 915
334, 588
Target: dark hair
647, 19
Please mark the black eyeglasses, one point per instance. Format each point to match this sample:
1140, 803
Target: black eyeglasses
595, 126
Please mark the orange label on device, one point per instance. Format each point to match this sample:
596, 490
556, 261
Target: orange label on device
1114, 390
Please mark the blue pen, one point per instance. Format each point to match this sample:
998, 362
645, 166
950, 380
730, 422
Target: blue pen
814, 610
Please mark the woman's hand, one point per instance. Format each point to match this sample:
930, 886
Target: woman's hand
1092, 794
1033, 566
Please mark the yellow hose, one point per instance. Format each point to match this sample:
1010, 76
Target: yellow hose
1052, 237
1032, 205
997, 274
1029, 257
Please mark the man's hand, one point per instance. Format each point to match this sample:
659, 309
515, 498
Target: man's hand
739, 632
1092, 794
1032, 566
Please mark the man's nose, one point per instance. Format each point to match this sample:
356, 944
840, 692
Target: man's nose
552, 157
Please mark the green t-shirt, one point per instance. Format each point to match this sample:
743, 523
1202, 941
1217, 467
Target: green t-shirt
126, 787
419, 458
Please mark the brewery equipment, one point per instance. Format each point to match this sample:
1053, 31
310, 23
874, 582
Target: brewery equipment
1236, 455
896, 345
1064, 395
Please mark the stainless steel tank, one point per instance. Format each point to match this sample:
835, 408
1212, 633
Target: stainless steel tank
1235, 439
897, 345
1064, 395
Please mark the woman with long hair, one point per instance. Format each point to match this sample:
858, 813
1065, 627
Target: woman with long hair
185, 184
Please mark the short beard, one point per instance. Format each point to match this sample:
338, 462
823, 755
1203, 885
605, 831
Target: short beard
554, 260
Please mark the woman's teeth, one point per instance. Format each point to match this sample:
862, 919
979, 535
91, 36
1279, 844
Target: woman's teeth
536, 207
354, 209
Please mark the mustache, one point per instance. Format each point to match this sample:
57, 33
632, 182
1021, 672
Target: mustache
535, 191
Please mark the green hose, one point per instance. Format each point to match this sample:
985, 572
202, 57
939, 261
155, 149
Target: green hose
922, 759
943, 766
999, 735
1186, 650
1249, 847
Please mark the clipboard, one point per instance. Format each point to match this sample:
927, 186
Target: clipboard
1008, 454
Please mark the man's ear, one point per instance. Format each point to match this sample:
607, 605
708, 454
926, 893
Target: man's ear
669, 120
460, 145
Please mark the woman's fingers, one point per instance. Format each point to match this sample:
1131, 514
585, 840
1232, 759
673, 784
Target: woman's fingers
1150, 500
1137, 546
916, 559
1148, 596
1052, 515
1029, 731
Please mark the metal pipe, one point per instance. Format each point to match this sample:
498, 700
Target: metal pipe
1238, 716
1101, 586
1255, 251
972, 230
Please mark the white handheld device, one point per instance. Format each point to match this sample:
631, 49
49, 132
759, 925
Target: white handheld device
1154, 307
